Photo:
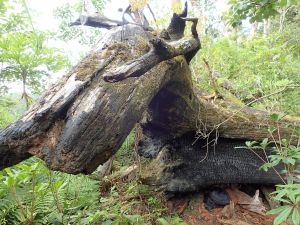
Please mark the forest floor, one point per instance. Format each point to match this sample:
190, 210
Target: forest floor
127, 193
192, 209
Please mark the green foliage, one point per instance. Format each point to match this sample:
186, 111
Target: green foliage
256, 10
24, 55
288, 194
171, 221
139, 205
26, 58
255, 67
68, 13
12, 19
10, 110
32, 194
125, 154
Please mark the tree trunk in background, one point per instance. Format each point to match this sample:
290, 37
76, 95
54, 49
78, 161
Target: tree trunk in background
199, 12
254, 27
267, 27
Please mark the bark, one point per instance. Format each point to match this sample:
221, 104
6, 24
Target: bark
184, 165
97, 21
82, 120
161, 51
180, 108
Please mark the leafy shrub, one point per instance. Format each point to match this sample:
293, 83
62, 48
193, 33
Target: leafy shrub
32, 194
10, 109
256, 67
288, 155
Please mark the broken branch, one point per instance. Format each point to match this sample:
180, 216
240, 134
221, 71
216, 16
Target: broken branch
160, 51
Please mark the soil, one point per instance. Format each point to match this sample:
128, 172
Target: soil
192, 209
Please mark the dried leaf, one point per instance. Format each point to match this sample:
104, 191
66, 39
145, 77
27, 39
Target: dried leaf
228, 211
232, 222
254, 204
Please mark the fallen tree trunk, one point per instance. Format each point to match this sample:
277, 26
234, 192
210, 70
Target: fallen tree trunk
179, 108
82, 120
183, 165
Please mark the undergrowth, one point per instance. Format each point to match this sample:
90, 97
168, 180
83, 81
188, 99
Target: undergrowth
247, 68
32, 194
286, 155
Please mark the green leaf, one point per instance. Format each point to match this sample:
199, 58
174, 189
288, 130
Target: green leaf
282, 217
283, 3
250, 144
10, 182
277, 210
275, 117
264, 143
162, 221
265, 167
297, 131
296, 216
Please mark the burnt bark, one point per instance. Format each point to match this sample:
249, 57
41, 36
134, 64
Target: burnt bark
185, 164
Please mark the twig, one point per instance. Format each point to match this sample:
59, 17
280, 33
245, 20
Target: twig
264, 161
213, 81
152, 13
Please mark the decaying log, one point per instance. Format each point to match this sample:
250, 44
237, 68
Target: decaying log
184, 165
82, 120
179, 108
94, 19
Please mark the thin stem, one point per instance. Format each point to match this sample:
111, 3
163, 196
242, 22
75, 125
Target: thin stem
264, 161
33, 199
54, 193
15, 195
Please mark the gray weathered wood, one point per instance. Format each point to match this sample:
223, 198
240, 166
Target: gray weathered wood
82, 120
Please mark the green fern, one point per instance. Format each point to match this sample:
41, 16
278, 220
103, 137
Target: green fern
31, 194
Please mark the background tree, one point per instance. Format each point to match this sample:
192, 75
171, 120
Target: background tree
25, 58
24, 54
256, 10
69, 12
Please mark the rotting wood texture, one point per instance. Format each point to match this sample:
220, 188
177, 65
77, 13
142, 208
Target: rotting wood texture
82, 120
